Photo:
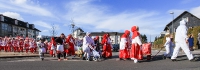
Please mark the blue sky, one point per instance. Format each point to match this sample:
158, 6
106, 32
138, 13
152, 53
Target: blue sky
98, 15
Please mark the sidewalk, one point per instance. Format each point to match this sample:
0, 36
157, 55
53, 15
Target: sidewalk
17, 54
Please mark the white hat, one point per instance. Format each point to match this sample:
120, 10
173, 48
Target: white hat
182, 22
88, 33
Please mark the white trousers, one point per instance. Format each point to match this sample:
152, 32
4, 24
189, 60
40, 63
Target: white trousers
169, 51
185, 48
87, 52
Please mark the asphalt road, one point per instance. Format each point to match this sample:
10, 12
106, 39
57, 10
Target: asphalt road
157, 63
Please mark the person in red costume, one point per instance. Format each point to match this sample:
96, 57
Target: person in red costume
71, 42
124, 46
15, 44
31, 45
21, 45
26, 44
1, 43
9, 45
107, 49
52, 47
136, 48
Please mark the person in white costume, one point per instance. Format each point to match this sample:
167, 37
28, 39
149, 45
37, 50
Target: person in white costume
168, 47
88, 42
181, 42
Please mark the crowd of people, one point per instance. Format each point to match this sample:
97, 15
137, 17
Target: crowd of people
18, 44
182, 40
88, 47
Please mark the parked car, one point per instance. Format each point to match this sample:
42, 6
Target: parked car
115, 47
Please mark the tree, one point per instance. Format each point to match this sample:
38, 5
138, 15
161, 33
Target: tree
53, 31
144, 38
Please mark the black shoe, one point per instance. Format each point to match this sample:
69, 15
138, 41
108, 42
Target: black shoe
173, 60
164, 57
42, 59
83, 58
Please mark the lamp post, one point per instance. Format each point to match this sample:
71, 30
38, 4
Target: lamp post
172, 21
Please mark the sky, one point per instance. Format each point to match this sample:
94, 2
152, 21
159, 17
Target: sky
151, 16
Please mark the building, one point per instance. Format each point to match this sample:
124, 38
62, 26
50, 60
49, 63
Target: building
191, 19
13, 27
115, 36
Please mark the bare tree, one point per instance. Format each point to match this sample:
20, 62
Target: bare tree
53, 31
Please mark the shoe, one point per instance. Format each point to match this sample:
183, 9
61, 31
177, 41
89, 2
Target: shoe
42, 59
66, 59
83, 58
59, 59
87, 59
135, 61
164, 57
193, 60
173, 60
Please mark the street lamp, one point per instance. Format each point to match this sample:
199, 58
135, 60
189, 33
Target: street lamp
172, 21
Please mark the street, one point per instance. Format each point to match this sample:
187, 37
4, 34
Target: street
50, 63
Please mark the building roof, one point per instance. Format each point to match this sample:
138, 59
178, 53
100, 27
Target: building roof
23, 24
185, 12
79, 29
101, 33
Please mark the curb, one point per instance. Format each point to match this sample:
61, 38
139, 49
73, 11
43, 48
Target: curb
21, 56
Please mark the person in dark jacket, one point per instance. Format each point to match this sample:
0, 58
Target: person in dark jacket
191, 42
60, 41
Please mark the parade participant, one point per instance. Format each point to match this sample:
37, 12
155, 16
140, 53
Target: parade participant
46, 45
35, 45
31, 45
1, 43
181, 42
60, 49
52, 47
71, 42
21, 45
88, 42
15, 44
107, 46
124, 45
42, 49
4, 44
136, 48
26, 44
9, 45
168, 47
97, 44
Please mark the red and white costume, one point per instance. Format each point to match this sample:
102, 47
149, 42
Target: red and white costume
70, 40
107, 46
26, 44
1, 43
124, 45
136, 50
21, 45
31, 45
15, 44
4, 44
52, 46
9, 45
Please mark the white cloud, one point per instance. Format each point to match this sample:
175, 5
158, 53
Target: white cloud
195, 11
19, 1
85, 13
43, 24
44, 31
13, 15
25, 6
